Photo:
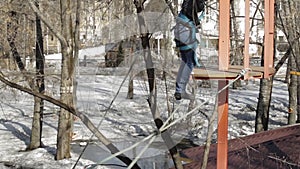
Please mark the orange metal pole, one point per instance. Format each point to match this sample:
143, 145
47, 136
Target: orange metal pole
224, 49
222, 156
247, 36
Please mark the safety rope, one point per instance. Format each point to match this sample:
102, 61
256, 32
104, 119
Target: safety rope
142, 152
106, 112
166, 126
109, 107
92, 166
240, 75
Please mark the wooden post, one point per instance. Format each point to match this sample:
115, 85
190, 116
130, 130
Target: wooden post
269, 37
247, 36
224, 48
224, 34
222, 157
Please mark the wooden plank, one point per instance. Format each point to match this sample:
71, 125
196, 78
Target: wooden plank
214, 73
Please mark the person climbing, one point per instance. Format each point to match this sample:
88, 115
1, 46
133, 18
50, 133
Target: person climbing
185, 31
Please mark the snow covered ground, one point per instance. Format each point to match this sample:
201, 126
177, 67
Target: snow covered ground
126, 122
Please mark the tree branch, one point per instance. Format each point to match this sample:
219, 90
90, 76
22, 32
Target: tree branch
85, 120
47, 23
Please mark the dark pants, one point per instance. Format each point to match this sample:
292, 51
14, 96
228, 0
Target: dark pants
185, 70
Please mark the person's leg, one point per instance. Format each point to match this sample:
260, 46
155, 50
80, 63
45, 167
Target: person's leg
180, 80
184, 72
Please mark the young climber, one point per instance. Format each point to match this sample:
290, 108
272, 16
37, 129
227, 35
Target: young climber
185, 37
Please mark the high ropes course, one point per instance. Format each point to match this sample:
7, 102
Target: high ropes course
254, 151
225, 74
225, 71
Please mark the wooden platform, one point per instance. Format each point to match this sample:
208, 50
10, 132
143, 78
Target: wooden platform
233, 71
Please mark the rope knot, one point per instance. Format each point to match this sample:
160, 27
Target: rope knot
244, 71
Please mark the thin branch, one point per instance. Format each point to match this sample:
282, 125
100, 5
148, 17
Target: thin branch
47, 23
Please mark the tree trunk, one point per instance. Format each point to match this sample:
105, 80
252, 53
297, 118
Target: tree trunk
264, 100
262, 115
292, 86
145, 37
287, 73
132, 42
235, 44
297, 81
298, 101
62, 104
262, 112
64, 135
36, 132
12, 30
262, 118
290, 27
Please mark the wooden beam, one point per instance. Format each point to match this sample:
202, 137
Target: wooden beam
269, 37
247, 36
224, 49
222, 151
224, 34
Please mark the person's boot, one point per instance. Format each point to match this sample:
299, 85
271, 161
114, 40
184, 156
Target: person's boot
184, 95
177, 96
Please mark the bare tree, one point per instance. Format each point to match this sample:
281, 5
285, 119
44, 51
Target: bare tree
38, 84
292, 87
12, 31
264, 99
131, 42
235, 45
36, 131
263, 105
65, 123
289, 19
68, 40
